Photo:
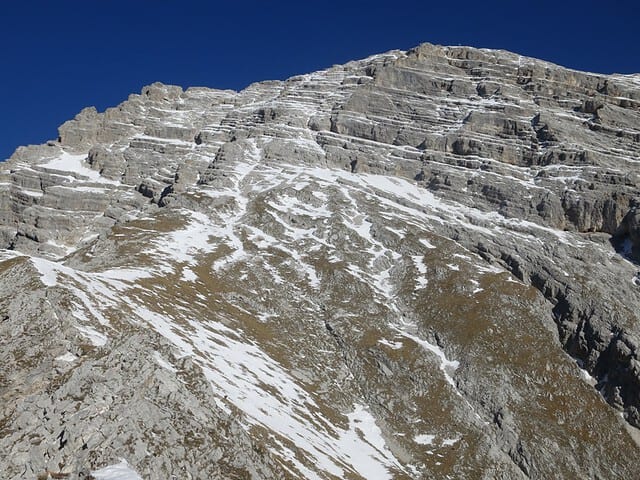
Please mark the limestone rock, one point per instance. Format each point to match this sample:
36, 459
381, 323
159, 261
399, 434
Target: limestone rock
423, 264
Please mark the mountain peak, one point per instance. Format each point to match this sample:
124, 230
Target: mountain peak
419, 264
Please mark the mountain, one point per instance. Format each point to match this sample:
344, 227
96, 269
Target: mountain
423, 264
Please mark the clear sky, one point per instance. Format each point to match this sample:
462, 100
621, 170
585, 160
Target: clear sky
60, 56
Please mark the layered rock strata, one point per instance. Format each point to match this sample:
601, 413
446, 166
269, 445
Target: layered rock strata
420, 264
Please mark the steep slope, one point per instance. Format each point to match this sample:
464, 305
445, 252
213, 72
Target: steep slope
421, 264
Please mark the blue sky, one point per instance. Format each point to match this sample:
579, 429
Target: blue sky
60, 56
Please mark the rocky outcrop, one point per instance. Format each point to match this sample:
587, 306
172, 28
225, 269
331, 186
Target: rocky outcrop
420, 264
87, 404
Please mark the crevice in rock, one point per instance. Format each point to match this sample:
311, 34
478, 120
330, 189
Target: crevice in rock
587, 333
511, 443
62, 440
610, 356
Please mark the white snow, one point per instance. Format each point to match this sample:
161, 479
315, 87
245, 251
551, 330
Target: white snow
426, 243
245, 378
65, 248
263, 241
8, 254
264, 317
418, 261
180, 246
242, 371
320, 195
585, 375
424, 439
392, 345
67, 357
96, 292
447, 442
381, 258
161, 140
32, 193
421, 279
399, 232
95, 337
119, 471
73, 164
365, 447
188, 275
294, 206
128, 275
228, 224
47, 270
489, 269
164, 363
477, 288
448, 367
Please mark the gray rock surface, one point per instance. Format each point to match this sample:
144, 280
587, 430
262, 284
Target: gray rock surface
423, 264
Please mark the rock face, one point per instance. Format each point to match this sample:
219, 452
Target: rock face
423, 264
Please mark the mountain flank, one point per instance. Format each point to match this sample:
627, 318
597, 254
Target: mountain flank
423, 264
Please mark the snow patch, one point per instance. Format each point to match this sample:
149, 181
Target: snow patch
119, 471
8, 254
74, 164
243, 372
399, 232
585, 375
424, 439
125, 274
164, 363
47, 270
447, 366
95, 337
421, 280
489, 269
476, 285
67, 357
365, 447
392, 345
188, 275
180, 246
427, 243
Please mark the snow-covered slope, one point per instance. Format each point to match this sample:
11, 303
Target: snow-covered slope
416, 265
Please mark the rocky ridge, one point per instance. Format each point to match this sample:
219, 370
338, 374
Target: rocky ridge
376, 270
